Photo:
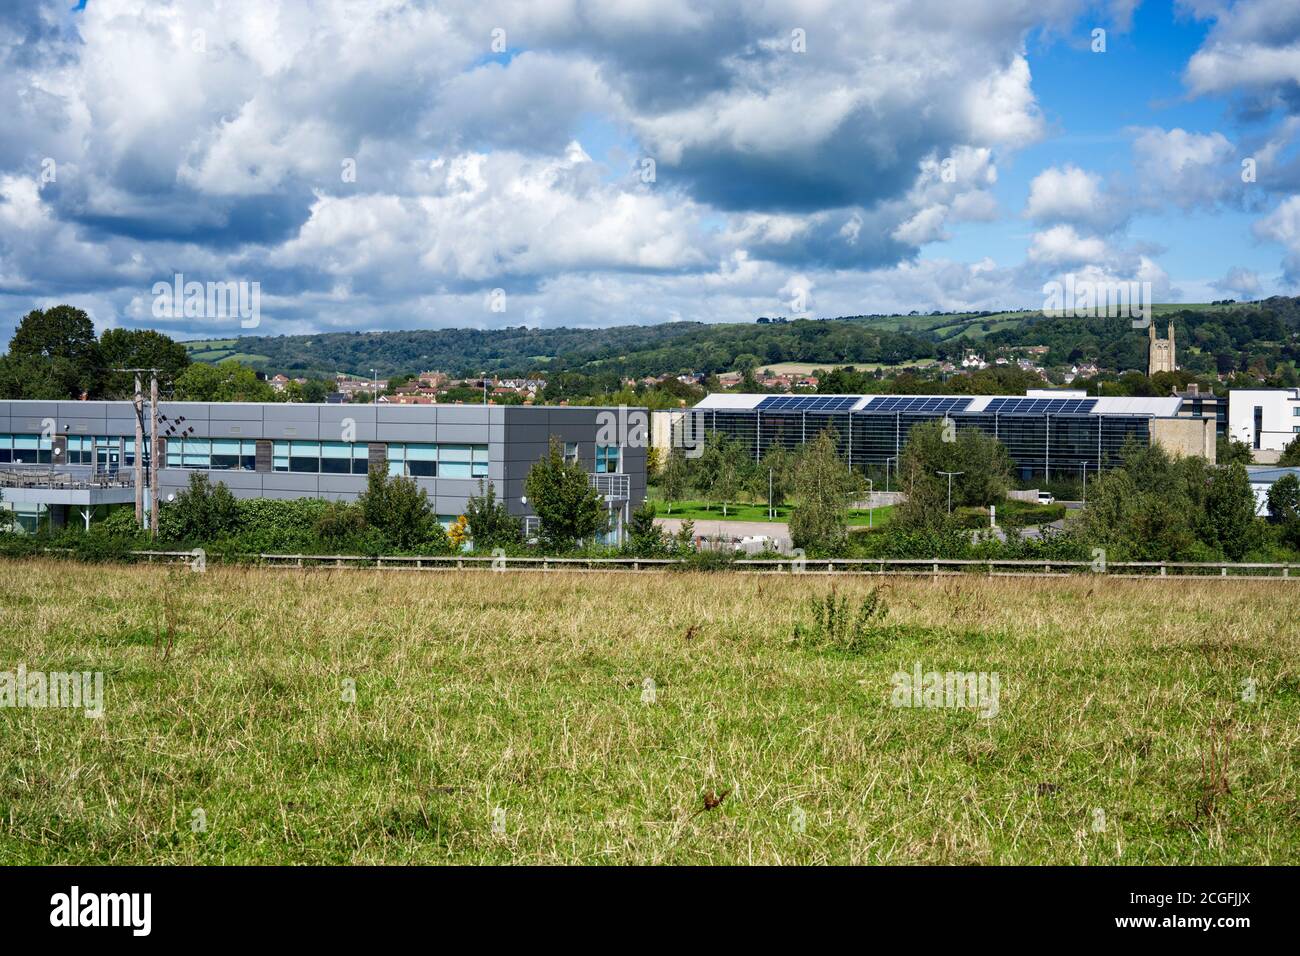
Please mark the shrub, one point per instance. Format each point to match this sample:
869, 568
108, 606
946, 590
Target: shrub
490, 523
838, 625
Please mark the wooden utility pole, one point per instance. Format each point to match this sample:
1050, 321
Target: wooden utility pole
153, 452
138, 464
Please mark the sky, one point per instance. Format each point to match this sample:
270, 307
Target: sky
384, 164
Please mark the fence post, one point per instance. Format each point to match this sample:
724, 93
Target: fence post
1163, 570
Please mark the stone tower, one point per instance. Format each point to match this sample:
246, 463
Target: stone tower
1160, 355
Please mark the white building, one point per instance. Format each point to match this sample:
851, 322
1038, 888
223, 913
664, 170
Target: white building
1266, 419
1262, 479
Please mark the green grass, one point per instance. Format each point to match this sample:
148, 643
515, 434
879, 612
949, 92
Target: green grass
744, 511
524, 692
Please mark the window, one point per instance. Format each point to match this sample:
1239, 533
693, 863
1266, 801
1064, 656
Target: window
607, 459
204, 454
26, 449
570, 452
343, 458
81, 450
429, 460
128, 453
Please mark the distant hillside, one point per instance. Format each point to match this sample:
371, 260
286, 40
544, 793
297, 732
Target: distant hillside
1209, 336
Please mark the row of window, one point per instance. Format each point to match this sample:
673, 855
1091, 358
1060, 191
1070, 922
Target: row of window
410, 459
26, 449
429, 460
216, 454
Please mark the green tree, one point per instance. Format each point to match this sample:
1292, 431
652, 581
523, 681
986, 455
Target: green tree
644, 536
1230, 512
673, 478
228, 381
823, 487
1229, 451
203, 512
491, 525
985, 466
925, 454
139, 348
1284, 499
1284, 508
774, 474
1290, 454
57, 347
400, 510
569, 508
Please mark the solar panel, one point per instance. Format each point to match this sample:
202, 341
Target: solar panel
919, 404
1041, 406
808, 403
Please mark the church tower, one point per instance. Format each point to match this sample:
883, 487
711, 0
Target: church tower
1160, 352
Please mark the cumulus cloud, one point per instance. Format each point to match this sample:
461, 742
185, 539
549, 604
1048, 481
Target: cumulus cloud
1075, 196
379, 163
1240, 281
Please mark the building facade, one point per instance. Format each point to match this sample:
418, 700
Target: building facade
1266, 419
1059, 434
60, 459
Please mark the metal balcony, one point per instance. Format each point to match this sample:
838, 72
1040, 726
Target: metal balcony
613, 488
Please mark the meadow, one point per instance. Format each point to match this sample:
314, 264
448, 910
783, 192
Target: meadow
262, 716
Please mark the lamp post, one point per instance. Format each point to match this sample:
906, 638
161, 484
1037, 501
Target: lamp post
951, 475
887, 461
871, 509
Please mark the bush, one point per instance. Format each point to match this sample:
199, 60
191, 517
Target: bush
203, 512
838, 625
489, 521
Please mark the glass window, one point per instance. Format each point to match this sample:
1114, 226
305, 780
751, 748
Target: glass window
570, 452
421, 460
456, 461
607, 459
280, 456
336, 458
360, 459
225, 453
304, 456
6, 448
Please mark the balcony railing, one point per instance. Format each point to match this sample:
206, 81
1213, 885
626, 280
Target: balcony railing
612, 487
48, 478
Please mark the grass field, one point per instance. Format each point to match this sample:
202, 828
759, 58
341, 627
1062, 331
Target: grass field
744, 511
1121, 734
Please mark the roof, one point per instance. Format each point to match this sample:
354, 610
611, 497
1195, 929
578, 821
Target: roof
1268, 475
1041, 401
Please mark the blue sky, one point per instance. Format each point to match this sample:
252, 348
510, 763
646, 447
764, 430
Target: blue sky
810, 158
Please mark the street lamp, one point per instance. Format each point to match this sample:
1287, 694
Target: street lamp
951, 475
871, 509
887, 461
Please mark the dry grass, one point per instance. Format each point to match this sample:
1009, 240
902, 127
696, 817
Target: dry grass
477, 691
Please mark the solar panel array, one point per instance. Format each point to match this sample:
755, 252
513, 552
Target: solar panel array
808, 403
918, 404
1041, 406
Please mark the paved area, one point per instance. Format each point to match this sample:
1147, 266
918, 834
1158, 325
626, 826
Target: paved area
777, 530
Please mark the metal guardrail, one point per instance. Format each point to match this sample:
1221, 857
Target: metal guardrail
28, 478
874, 567
914, 567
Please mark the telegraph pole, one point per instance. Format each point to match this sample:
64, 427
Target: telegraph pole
153, 453
137, 467
137, 464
